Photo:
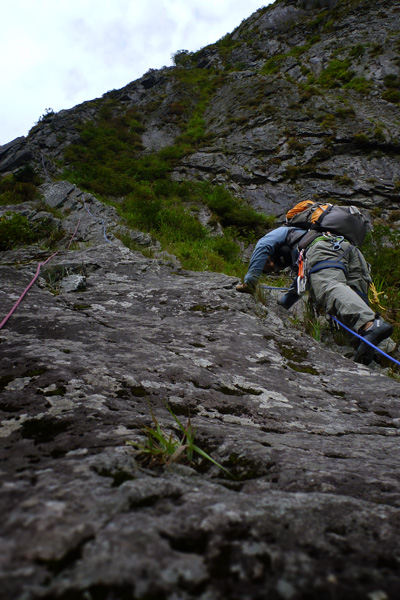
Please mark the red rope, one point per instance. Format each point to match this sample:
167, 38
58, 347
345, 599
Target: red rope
40, 265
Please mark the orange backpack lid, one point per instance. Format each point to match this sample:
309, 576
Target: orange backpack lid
300, 206
315, 210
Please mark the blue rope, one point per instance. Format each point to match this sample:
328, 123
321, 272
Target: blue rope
94, 217
271, 287
104, 233
364, 340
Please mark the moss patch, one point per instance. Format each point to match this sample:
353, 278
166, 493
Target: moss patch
302, 368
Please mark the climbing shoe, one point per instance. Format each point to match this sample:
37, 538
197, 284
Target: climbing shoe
288, 299
244, 288
379, 331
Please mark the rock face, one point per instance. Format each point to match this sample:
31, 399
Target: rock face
303, 101
310, 437
300, 101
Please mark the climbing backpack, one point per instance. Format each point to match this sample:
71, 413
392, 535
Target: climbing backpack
347, 221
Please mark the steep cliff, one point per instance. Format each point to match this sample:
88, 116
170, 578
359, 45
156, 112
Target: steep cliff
296, 102
300, 101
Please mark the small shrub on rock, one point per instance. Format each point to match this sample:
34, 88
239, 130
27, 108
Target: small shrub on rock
18, 188
392, 95
15, 230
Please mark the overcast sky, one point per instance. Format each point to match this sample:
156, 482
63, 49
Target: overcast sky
58, 53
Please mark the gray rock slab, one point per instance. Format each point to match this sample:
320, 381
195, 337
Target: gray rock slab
310, 437
56, 195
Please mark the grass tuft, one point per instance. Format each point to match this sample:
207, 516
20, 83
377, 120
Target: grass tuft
162, 449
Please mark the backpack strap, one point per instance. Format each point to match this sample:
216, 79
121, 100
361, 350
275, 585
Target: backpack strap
309, 238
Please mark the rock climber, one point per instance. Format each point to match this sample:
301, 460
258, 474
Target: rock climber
337, 277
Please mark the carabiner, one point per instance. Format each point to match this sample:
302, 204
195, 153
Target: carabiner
301, 275
336, 243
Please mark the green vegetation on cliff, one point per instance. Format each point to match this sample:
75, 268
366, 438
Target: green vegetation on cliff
108, 162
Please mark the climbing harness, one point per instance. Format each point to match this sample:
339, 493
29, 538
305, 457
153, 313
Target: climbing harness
304, 272
327, 264
336, 242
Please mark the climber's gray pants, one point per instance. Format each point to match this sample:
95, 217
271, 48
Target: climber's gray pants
335, 290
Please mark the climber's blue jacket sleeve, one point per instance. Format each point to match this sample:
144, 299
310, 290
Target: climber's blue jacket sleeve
266, 247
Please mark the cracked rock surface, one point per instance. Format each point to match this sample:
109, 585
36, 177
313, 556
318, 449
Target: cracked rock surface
311, 438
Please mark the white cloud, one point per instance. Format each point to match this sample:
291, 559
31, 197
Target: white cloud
58, 54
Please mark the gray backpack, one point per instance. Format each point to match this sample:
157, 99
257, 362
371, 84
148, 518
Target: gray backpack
347, 221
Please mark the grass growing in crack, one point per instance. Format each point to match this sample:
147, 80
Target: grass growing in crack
161, 448
311, 322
